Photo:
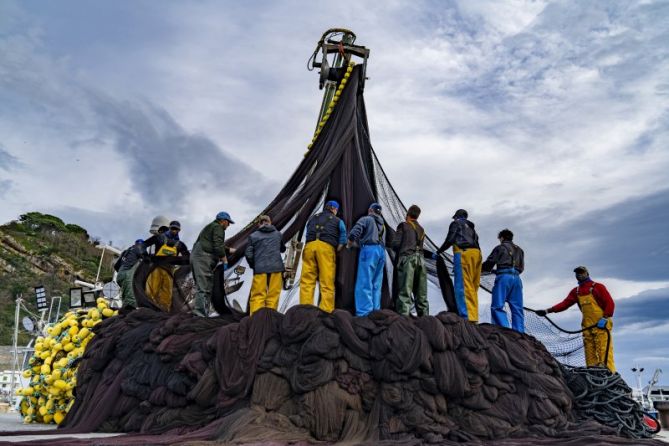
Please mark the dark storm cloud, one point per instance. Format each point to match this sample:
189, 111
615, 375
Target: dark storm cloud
628, 241
7, 160
166, 162
5, 186
650, 308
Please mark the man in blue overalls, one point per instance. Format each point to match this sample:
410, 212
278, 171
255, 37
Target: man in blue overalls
508, 288
368, 233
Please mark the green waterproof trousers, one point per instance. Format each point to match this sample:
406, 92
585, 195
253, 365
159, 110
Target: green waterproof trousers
412, 277
124, 278
202, 265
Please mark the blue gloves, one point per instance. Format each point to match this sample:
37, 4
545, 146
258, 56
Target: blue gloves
602, 322
225, 267
435, 256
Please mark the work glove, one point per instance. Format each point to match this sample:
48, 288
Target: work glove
225, 267
541, 313
435, 256
602, 322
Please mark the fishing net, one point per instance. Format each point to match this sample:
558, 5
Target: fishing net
313, 376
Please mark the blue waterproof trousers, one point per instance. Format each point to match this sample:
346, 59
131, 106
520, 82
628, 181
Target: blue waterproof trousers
508, 288
370, 277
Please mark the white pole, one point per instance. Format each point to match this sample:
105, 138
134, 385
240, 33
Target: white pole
102, 256
15, 353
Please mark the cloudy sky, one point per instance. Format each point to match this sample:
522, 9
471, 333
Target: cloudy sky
551, 118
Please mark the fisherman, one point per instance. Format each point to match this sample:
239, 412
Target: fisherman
368, 233
161, 224
411, 272
508, 288
326, 235
166, 242
125, 267
263, 254
597, 307
209, 250
466, 264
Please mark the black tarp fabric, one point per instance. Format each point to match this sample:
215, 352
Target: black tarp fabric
328, 377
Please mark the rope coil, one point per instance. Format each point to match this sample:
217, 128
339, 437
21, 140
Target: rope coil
606, 398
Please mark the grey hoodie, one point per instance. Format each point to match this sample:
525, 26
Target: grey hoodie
369, 230
263, 251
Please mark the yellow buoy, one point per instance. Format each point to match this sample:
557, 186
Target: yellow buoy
58, 417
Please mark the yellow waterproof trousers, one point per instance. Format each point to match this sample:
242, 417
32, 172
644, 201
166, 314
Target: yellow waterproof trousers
265, 291
159, 286
597, 342
319, 262
471, 261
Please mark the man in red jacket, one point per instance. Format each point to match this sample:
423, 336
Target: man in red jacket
597, 307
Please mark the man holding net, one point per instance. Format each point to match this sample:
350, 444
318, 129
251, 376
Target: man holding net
597, 307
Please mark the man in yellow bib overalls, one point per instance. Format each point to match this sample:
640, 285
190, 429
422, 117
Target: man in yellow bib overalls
597, 307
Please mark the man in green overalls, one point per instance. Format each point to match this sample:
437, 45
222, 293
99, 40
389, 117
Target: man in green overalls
209, 249
411, 272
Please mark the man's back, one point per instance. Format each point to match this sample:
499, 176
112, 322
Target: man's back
264, 250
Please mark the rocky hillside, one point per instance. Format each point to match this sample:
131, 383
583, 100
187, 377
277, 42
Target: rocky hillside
41, 249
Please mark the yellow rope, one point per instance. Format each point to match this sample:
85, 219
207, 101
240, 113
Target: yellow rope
335, 99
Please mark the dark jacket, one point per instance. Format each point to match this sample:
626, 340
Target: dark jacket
505, 255
408, 238
328, 228
129, 258
212, 239
159, 240
462, 234
369, 230
263, 251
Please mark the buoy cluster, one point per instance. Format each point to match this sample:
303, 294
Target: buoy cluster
53, 367
335, 99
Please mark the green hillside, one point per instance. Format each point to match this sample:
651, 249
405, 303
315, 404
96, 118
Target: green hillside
41, 249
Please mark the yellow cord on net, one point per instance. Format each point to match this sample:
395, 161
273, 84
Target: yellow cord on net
332, 105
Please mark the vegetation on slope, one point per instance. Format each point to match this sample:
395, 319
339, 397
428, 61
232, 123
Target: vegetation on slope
41, 249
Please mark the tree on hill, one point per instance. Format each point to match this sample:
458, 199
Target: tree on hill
41, 249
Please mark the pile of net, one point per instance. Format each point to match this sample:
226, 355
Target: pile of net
53, 368
313, 376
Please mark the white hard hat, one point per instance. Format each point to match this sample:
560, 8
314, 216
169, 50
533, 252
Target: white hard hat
158, 222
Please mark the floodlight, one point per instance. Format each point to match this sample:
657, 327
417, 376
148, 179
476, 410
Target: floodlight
28, 324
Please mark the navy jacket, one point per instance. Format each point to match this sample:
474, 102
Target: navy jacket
462, 234
506, 255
